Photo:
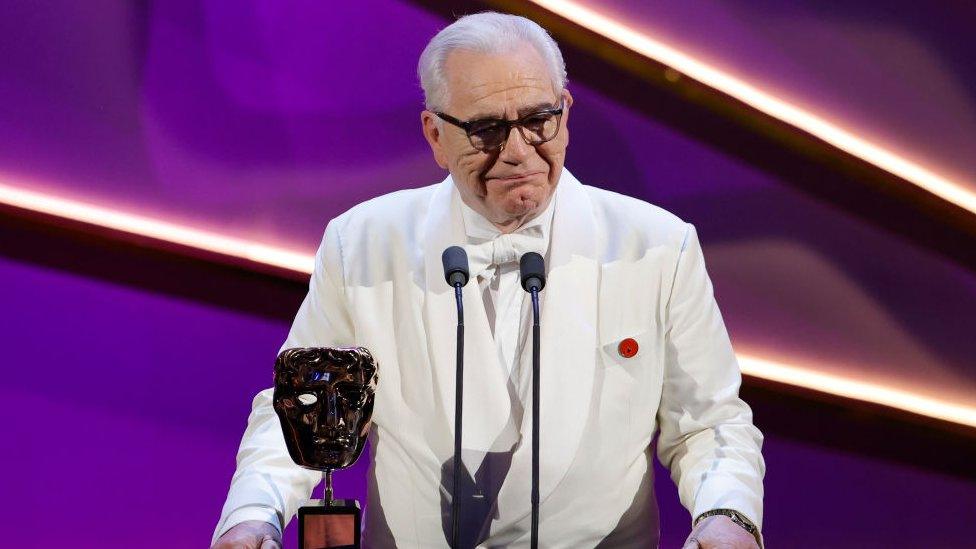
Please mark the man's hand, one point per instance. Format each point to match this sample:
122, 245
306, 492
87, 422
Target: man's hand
719, 532
250, 534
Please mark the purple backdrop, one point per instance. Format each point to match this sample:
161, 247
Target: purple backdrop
895, 72
264, 120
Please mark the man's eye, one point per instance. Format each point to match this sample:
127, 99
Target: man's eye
537, 121
486, 129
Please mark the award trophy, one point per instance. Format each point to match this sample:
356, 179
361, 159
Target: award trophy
324, 399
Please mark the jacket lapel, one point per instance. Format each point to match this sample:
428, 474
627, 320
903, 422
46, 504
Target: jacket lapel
487, 404
568, 347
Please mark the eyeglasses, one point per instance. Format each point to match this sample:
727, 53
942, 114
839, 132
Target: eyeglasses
490, 134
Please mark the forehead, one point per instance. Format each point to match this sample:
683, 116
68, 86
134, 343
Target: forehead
487, 84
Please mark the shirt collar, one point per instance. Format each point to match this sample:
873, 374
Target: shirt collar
478, 229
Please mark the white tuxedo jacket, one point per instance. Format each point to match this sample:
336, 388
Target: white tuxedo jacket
618, 268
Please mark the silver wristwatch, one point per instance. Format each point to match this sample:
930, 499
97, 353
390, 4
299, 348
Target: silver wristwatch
736, 517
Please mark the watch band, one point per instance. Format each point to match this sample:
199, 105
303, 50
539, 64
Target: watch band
737, 517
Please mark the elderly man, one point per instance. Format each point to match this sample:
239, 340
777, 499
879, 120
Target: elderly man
632, 340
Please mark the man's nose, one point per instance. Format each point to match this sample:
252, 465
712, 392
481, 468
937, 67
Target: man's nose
516, 150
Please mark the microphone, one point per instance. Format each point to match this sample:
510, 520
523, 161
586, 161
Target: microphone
532, 269
455, 261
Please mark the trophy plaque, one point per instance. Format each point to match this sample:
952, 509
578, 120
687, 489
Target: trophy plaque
324, 399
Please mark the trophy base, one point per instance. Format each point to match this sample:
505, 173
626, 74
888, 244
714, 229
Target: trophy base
333, 526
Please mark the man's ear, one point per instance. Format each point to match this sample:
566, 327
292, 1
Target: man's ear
567, 99
428, 123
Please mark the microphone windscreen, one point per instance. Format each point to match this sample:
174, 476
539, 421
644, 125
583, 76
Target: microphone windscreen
455, 261
533, 270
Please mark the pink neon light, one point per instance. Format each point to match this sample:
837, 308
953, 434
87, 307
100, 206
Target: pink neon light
154, 228
816, 125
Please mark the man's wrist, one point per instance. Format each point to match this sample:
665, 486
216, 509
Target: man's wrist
263, 513
736, 517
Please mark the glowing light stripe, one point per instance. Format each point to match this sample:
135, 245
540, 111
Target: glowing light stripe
303, 263
154, 228
762, 101
859, 390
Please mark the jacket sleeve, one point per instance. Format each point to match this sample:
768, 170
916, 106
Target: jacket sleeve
707, 438
268, 485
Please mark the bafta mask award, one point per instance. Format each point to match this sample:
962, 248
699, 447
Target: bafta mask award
324, 399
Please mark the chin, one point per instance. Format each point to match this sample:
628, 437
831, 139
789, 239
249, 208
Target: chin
527, 202
525, 208
517, 208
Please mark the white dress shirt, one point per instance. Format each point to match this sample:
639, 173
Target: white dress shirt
493, 260
494, 264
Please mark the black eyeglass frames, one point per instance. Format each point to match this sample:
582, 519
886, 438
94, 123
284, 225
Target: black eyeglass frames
491, 134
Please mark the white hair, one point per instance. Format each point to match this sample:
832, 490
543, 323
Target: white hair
487, 32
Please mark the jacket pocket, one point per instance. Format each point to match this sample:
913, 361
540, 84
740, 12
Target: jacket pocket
627, 350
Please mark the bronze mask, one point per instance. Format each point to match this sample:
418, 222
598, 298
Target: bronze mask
324, 399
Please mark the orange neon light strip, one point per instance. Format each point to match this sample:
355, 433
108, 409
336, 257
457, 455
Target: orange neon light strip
650, 48
303, 263
154, 228
855, 389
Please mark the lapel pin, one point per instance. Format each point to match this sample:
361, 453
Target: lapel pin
628, 347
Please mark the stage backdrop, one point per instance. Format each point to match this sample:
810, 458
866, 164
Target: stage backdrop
264, 120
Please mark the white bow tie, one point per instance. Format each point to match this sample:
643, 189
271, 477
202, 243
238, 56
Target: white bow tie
503, 249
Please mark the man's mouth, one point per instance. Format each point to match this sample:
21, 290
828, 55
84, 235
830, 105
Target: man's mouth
515, 177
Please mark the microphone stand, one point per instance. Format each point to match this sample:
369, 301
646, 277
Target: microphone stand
455, 262
458, 394
532, 270
535, 417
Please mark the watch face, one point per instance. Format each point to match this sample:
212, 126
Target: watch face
738, 520
734, 515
